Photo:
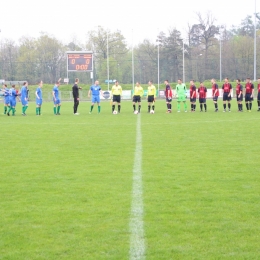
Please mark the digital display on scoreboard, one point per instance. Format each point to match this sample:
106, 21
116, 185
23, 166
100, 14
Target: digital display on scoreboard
80, 61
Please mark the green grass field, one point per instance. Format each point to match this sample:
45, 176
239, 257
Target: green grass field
66, 183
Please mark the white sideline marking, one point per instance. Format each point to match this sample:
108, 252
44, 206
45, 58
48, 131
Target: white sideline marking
137, 240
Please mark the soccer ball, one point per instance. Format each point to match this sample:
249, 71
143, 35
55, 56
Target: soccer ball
115, 112
152, 112
136, 112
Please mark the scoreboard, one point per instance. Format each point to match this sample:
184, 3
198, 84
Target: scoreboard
80, 61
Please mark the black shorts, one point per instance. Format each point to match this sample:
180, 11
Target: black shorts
136, 99
226, 96
192, 100
240, 98
248, 97
168, 100
116, 98
75, 100
202, 100
215, 98
150, 99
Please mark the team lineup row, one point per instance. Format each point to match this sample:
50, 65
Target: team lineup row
180, 93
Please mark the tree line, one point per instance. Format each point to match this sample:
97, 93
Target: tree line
44, 58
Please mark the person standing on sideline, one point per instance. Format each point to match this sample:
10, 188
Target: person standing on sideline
258, 94
193, 95
95, 91
12, 99
215, 94
5, 91
226, 90
202, 91
249, 94
137, 97
75, 93
56, 99
116, 92
151, 94
181, 95
38, 100
168, 96
239, 94
24, 98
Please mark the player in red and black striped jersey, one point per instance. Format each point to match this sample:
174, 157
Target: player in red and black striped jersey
239, 94
202, 90
249, 94
258, 93
226, 89
168, 96
215, 94
193, 95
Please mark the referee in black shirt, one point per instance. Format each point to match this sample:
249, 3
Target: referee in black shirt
75, 92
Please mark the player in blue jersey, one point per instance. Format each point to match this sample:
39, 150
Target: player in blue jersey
38, 100
95, 91
5, 91
56, 98
24, 97
12, 100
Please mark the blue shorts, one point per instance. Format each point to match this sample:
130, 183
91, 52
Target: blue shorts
38, 102
95, 99
13, 103
24, 102
57, 101
7, 100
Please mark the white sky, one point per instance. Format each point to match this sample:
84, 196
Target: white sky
72, 19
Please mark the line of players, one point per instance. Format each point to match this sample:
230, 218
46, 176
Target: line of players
10, 96
201, 94
95, 91
248, 92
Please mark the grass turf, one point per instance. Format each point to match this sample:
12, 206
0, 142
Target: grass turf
66, 183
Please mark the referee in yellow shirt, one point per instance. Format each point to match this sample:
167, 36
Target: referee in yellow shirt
151, 95
116, 92
138, 93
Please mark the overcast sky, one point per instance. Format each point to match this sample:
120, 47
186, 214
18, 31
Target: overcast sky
69, 19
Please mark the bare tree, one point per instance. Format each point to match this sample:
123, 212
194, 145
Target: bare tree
203, 35
146, 55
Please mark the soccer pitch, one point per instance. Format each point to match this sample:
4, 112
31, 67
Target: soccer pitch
182, 185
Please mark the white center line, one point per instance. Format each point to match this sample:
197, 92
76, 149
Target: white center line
137, 240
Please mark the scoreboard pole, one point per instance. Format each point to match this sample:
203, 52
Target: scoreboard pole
107, 64
67, 71
133, 69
